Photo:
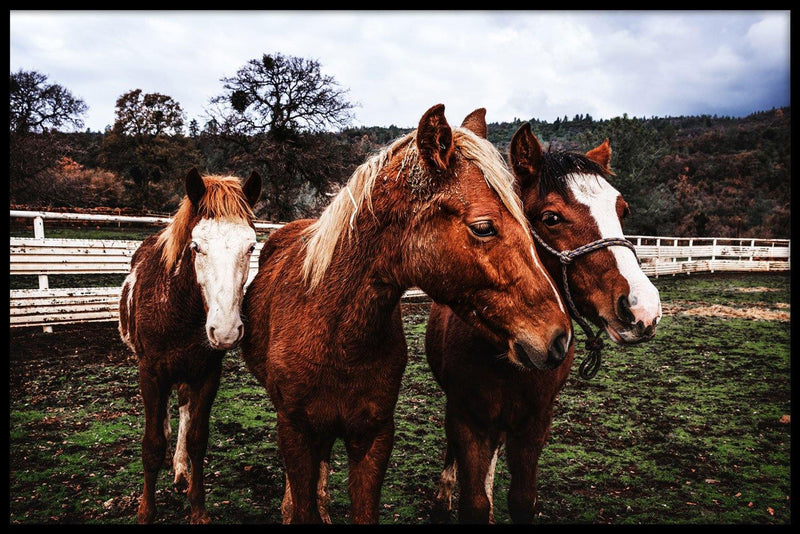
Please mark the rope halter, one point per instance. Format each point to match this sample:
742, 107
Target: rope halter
594, 344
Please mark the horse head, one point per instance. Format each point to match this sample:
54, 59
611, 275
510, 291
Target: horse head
577, 216
469, 246
222, 240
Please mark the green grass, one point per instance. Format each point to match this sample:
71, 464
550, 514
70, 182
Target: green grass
683, 430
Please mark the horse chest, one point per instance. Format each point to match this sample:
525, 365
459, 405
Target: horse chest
182, 365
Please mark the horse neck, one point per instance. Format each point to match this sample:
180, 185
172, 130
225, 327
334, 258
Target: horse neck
367, 272
179, 300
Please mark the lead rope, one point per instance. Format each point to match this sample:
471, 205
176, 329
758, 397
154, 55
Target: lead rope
594, 343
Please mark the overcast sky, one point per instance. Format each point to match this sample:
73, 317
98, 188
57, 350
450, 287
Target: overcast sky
394, 65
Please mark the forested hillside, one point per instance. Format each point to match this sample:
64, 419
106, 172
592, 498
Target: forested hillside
682, 176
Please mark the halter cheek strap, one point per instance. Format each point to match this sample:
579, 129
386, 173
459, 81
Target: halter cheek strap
594, 343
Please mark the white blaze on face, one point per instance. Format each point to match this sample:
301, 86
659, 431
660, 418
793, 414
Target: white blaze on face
222, 265
601, 198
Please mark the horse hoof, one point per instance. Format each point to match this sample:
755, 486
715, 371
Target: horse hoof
440, 516
200, 518
145, 515
181, 483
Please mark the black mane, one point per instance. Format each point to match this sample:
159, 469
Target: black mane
556, 166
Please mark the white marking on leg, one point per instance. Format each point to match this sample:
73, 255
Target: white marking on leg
323, 496
286, 503
167, 427
180, 462
130, 282
489, 484
447, 481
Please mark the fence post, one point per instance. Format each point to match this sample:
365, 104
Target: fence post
44, 282
713, 254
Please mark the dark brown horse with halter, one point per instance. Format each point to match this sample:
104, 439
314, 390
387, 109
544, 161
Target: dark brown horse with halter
575, 217
435, 209
180, 312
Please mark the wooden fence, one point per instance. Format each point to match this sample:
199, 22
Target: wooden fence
45, 306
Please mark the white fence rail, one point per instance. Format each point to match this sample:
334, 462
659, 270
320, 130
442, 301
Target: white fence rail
676, 255
47, 306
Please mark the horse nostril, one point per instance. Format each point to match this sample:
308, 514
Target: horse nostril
558, 349
211, 333
522, 355
241, 332
624, 309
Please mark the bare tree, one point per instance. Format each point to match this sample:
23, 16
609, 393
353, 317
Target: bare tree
36, 110
35, 105
279, 94
280, 111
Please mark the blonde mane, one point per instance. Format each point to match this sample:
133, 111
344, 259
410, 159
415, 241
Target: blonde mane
324, 234
223, 199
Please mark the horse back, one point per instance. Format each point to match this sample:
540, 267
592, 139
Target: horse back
282, 238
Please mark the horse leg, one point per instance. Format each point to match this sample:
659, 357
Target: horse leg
300, 451
154, 442
180, 461
475, 456
368, 460
323, 496
200, 401
443, 504
286, 503
167, 435
523, 450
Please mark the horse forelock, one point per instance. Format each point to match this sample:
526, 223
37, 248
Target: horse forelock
495, 171
322, 237
223, 199
558, 167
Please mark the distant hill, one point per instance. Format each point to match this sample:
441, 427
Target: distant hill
682, 176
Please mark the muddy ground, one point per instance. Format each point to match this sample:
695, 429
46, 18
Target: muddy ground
59, 475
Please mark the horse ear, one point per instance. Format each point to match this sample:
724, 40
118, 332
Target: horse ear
195, 188
525, 156
252, 188
476, 122
435, 139
601, 155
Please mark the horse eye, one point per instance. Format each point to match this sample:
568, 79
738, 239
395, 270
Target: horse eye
483, 229
194, 246
551, 219
251, 249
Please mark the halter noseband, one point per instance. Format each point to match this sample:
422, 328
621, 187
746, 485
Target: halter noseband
594, 344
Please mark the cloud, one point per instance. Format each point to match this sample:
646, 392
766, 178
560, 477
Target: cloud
396, 64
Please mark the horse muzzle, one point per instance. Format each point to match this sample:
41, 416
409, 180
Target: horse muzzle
532, 357
632, 334
225, 338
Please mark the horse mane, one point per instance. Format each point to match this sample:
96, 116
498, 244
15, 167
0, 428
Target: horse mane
557, 167
323, 235
223, 199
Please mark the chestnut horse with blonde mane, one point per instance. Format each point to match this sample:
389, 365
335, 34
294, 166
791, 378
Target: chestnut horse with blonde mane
179, 313
576, 220
435, 209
